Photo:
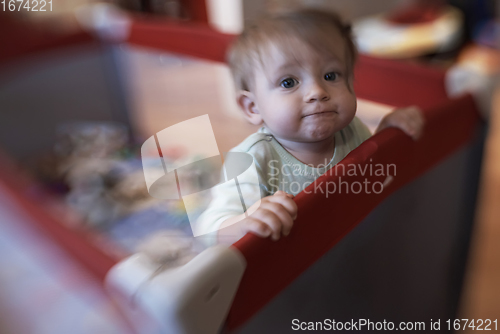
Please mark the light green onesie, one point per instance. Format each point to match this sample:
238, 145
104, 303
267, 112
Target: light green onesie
277, 170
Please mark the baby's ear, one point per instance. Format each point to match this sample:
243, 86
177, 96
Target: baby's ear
246, 101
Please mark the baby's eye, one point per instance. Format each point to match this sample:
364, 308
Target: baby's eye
288, 82
331, 76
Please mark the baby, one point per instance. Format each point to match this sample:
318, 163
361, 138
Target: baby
294, 76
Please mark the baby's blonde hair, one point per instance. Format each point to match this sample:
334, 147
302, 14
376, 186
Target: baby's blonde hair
310, 26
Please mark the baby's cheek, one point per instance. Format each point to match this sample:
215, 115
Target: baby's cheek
348, 104
279, 123
287, 125
286, 117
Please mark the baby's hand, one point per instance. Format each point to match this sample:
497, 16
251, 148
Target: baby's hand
409, 119
273, 217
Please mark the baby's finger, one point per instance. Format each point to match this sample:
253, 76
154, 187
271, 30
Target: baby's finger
257, 227
419, 130
420, 119
416, 115
287, 202
282, 193
283, 215
417, 123
411, 129
269, 218
408, 121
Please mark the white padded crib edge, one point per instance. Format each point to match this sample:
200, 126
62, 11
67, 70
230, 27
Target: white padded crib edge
194, 298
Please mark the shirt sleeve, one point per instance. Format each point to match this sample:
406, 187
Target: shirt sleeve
230, 198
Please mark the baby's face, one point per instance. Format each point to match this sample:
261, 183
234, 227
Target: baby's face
303, 96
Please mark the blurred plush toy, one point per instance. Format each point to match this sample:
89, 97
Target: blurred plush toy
102, 185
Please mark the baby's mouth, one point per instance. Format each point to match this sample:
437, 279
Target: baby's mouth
320, 113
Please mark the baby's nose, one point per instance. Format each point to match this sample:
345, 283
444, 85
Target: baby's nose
317, 92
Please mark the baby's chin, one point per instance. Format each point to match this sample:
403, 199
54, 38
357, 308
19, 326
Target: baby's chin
309, 134
318, 133
309, 138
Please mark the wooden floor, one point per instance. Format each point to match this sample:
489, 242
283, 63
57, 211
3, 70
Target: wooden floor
165, 90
